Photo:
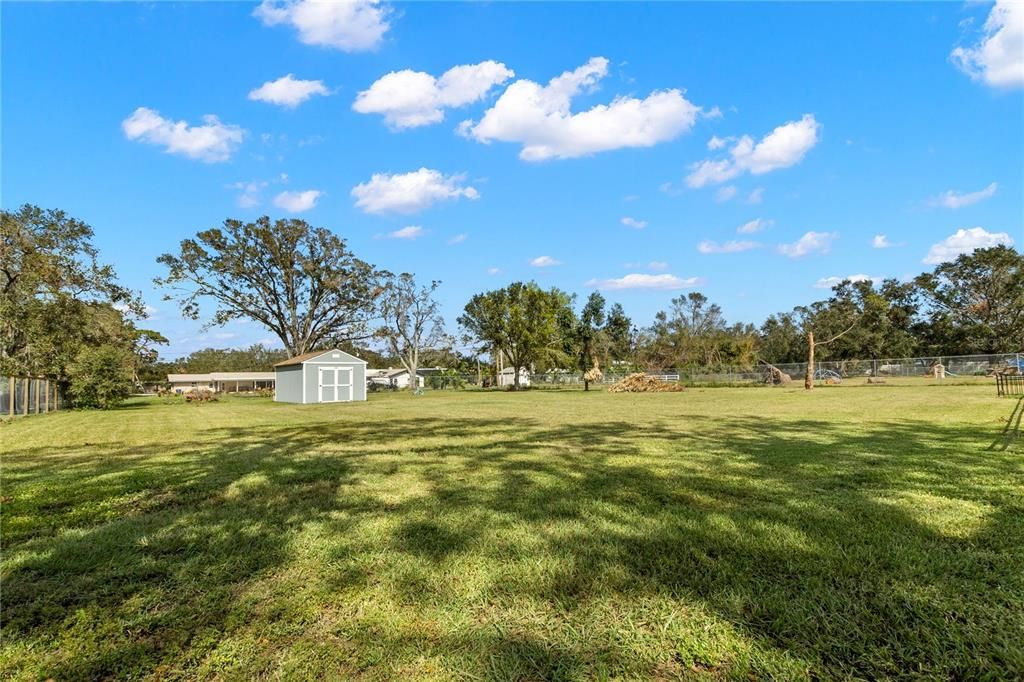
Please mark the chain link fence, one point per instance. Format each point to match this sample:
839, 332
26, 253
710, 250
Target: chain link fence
20, 396
956, 366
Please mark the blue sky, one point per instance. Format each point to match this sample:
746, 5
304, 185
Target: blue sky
819, 127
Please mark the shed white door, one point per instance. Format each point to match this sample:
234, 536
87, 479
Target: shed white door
335, 384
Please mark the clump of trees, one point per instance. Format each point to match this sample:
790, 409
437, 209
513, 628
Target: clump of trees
972, 305
523, 323
61, 309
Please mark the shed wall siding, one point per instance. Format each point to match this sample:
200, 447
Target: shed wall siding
312, 370
288, 387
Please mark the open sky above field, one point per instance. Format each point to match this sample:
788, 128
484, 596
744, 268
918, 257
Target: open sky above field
644, 149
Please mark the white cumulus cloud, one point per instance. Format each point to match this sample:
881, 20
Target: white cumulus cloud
708, 246
997, 59
756, 196
965, 241
288, 91
296, 202
211, 142
829, 282
540, 117
880, 241
809, 243
409, 192
640, 280
349, 25
457, 239
755, 225
250, 192
544, 262
408, 99
717, 142
955, 200
725, 193
783, 147
410, 232
634, 223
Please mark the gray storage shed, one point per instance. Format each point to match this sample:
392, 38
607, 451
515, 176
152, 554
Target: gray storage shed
322, 376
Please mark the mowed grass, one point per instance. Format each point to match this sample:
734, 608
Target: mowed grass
854, 533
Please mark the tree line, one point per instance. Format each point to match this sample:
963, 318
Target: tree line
64, 315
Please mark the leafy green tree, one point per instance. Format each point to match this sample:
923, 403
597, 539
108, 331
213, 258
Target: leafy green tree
54, 292
589, 335
412, 321
780, 339
101, 376
298, 281
521, 321
618, 335
975, 304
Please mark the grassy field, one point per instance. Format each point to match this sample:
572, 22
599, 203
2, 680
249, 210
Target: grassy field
854, 533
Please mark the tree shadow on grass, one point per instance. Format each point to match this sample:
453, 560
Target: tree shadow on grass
809, 539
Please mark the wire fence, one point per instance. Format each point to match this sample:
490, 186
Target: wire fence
956, 366
20, 396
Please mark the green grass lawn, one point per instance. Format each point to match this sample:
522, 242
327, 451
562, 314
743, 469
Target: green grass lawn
854, 533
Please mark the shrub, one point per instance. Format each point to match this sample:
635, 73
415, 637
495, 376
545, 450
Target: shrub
201, 396
101, 377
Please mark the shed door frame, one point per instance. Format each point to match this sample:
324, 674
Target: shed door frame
335, 384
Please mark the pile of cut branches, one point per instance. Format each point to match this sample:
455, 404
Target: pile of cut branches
643, 383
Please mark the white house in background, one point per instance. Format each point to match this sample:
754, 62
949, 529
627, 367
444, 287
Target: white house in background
221, 382
397, 378
507, 377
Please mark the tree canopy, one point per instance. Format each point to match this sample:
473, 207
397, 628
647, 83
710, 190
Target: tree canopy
300, 282
412, 321
57, 298
522, 322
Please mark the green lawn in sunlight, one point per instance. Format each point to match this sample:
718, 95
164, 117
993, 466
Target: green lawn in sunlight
857, 532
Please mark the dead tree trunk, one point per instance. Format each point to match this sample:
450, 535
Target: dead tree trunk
809, 375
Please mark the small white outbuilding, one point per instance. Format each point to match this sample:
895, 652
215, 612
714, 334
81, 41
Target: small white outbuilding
321, 376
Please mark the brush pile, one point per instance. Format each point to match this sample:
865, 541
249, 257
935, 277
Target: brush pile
773, 376
643, 383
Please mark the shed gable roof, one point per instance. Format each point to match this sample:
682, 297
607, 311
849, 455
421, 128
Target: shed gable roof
313, 355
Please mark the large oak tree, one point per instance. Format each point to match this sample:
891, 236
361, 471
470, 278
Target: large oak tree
300, 282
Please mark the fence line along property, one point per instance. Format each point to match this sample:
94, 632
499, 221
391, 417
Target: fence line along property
21, 396
955, 366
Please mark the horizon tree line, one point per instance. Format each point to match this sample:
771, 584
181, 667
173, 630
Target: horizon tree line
59, 303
